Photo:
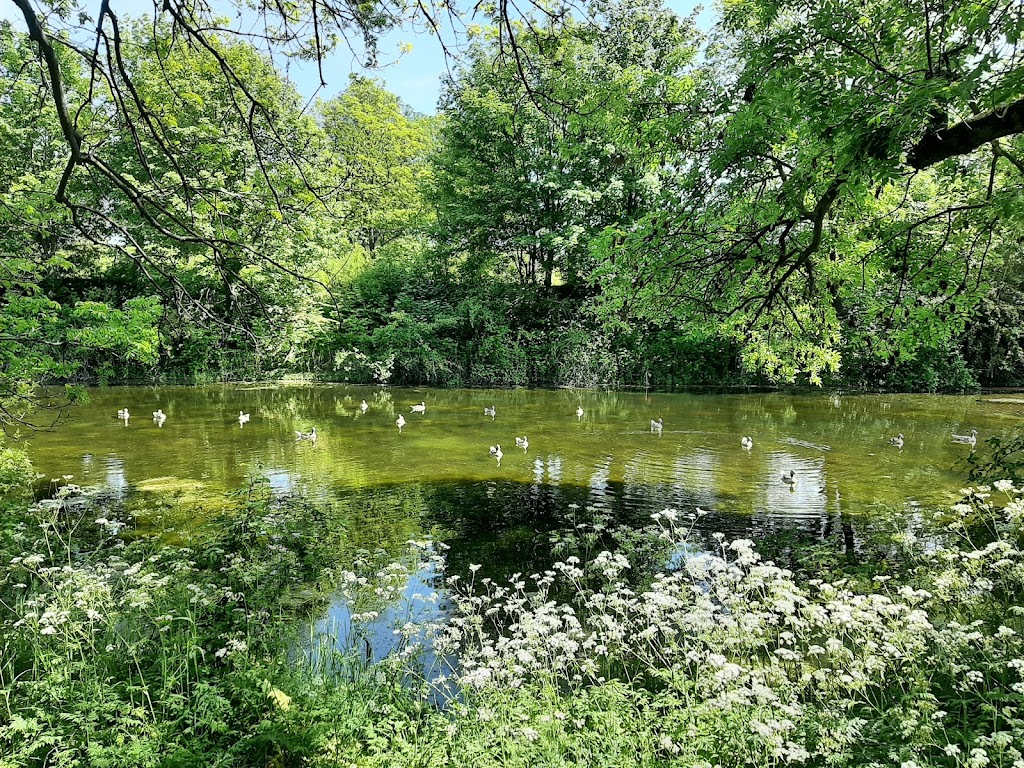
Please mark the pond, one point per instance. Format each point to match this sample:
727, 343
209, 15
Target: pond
436, 477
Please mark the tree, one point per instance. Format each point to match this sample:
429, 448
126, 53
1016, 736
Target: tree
381, 150
547, 143
856, 177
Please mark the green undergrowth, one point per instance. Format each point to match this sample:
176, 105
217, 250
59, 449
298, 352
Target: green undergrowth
120, 649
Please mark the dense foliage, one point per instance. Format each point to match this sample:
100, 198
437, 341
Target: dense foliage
808, 192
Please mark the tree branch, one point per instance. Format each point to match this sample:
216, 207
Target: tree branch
966, 136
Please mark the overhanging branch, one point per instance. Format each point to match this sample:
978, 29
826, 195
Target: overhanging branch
966, 136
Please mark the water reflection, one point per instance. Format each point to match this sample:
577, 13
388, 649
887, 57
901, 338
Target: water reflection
437, 476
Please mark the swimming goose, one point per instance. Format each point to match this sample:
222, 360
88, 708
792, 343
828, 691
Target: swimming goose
421, 408
400, 421
363, 406
522, 442
243, 418
496, 453
657, 426
970, 439
492, 412
311, 435
897, 441
789, 478
579, 413
746, 442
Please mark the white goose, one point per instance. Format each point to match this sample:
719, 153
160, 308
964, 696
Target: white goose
159, 417
400, 421
492, 412
657, 425
363, 406
311, 435
522, 442
579, 413
746, 442
243, 418
421, 408
896, 441
122, 413
971, 439
496, 453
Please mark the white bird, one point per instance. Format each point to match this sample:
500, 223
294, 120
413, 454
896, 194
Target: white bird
243, 418
657, 426
897, 441
746, 442
579, 413
363, 406
400, 421
496, 453
421, 408
789, 478
159, 417
311, 435
492, 412
522, 442
122, 413
971, 439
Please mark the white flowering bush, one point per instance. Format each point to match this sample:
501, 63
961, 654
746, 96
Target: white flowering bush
734, 661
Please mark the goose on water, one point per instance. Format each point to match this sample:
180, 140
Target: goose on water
789, 478
657, 425
243, 418
492, 412
746, 442
311, 435
971, 439
363, 406
496, 453
522, 442
421, 408
897, 441
579, 413
400, 421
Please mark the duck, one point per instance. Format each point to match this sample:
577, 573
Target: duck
363, 406
496, 453
243, 418
897, 441
122, 413
789, 478
159, 417
492, 412
400, 421
579, 413
657, 426
971, 439
522, 442
421, 408
746, 442
311, 435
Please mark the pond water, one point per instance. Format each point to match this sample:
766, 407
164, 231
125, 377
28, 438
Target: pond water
437, 478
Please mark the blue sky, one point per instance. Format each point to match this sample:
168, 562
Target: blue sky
415, 77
